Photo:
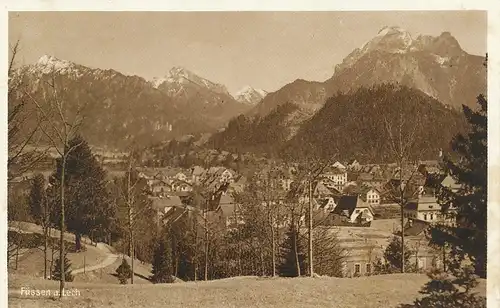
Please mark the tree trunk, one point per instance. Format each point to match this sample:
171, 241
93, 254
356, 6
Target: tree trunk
402, 240
402, 203
262, 266
62, 227
206, 245
296, 253
273, 247
78, 241
17, 254
45, 247
51, 255
310, 248
195, 250
132, 256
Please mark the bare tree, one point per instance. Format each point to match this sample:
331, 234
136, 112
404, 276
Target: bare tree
22, 137
59, 128
401, 133
310, 171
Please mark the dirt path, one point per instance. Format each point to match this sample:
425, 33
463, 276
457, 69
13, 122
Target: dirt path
105, 250
110, 259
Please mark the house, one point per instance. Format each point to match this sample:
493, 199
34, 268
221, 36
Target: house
157, 187
370, 195
354, 209
218, 174
371, 179
181, 176
324, 204
179, 185
353, 164
164, 205
425, 257
230, 211
425, 208
337, 176
196, 173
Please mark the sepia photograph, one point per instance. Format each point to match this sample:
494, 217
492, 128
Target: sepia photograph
247, 159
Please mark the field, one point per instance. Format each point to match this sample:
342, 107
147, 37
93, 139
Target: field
370, 292
100, 288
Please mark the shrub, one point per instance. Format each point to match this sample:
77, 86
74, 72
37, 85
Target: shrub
124, 272
56, 272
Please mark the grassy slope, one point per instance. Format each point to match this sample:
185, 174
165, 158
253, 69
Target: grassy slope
376, 291
31, 262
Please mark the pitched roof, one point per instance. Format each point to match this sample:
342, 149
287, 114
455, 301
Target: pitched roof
197, 170
322, 189
346, 203
423, 203
333, 170
160, 203
365, 176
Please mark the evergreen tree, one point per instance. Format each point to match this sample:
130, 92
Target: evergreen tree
124, 271
88, 206
292, 252
450, 291
56, 272
37, 199
467, 239
162, 262
391, 262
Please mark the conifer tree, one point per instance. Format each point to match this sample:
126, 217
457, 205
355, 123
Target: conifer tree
290, 259
37, 198
162, 262
467, 239
88, 206
450, 291
124, 272
392, 256
56, 272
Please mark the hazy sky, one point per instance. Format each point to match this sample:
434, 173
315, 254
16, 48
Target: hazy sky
263, 49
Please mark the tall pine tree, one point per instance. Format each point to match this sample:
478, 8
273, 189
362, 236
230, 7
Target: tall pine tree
38, 199
162, 262
88, 206
467, 239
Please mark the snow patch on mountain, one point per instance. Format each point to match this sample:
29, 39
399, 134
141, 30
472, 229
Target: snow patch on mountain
395, 40
50, 64
179, 76
249, 95
440, 60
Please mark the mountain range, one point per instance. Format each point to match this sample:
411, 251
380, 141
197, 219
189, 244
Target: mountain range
437, 66
122, 109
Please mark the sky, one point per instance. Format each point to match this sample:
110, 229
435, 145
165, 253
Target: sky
265, 50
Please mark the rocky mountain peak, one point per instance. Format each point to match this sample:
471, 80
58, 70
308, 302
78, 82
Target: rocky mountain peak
180, 76
250, 95
48, 64
395, 40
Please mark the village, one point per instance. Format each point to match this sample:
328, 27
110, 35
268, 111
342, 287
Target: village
356, 201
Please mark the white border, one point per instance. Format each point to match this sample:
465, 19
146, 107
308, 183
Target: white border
285, 5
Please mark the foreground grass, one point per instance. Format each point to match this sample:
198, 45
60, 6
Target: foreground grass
376, 291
